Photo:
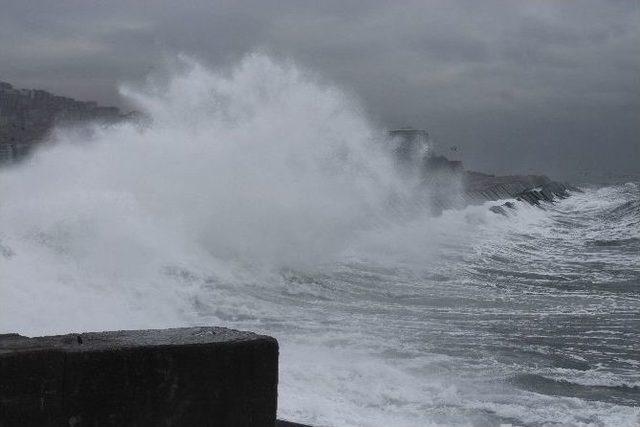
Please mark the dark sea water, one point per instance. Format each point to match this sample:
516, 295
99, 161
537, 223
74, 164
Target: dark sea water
261, 200
530, 320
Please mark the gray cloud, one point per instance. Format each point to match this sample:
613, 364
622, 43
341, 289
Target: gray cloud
520, 86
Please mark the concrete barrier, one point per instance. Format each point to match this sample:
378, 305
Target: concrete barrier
199, 376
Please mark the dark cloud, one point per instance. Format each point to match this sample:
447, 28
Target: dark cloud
520, 86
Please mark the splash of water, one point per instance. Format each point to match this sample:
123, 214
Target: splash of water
264, 167
261, 199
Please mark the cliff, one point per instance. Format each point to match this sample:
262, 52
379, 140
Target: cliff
27, 115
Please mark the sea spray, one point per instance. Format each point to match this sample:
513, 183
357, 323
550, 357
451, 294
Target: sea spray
262, 200
263, 167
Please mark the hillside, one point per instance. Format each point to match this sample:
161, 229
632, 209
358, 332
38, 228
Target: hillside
27, 115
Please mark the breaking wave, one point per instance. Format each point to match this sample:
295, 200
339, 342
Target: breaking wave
263, 199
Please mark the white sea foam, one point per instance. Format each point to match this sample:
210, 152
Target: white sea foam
264, 199
264, 167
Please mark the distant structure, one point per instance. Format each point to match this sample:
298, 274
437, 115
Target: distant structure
27, 115
414, 145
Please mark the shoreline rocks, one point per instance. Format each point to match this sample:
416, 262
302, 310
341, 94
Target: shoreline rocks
448, 185
531, 189
28, 115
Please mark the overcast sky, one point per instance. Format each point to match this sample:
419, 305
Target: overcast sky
520, 86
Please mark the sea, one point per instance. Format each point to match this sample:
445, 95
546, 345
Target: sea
261, 197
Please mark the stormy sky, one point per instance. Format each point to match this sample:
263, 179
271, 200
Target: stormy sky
520, 86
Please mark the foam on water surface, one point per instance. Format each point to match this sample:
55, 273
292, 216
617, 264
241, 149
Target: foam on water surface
263, 199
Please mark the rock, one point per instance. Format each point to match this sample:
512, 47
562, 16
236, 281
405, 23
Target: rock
498, 209
179, 377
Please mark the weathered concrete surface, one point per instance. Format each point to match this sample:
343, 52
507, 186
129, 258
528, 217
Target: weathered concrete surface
180, 377
283, 423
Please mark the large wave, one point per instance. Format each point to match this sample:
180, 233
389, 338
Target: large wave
263, 167
262, 198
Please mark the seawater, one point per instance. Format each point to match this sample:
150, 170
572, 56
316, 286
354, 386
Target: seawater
262, 198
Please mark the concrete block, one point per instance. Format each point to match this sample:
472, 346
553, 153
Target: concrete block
200, 376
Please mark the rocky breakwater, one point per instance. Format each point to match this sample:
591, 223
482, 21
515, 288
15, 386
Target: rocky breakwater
534, 190
446, 184
27, 116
